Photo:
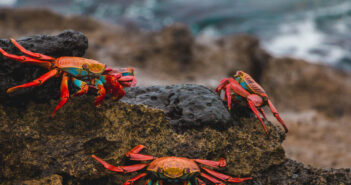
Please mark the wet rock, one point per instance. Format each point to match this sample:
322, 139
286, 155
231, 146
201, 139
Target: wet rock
12, 73
186, 106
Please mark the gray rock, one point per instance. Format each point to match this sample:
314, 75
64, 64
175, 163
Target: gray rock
185, 105
293, 172
12, 73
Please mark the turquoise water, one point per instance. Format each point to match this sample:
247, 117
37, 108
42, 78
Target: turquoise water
315, 30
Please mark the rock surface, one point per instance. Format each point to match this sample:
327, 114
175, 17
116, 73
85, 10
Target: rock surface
50, 180
292, 172
33, 145
186, 106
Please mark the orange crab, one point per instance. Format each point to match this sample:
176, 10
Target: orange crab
171, 170
243, 88
84, 73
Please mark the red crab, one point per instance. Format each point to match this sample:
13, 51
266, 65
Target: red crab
84, 73
243, 88
171, 170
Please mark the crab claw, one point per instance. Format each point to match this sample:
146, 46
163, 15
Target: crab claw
221, 85
124, 75
113, 87
128, 81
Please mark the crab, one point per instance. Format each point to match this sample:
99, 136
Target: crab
171, 170
243, 88
84, 73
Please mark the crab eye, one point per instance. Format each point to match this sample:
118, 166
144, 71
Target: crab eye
84, 66
186, 170
159, 170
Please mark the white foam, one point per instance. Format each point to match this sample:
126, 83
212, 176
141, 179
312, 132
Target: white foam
7, 2
302, 39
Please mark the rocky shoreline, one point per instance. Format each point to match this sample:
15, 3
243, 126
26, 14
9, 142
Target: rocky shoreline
180, 120
311, 98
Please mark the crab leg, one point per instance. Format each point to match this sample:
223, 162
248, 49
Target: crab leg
35, 55
122, 169
255, 111
35, 82
228, 95
25, 59
213, 180
64, 93
82, 85
101, 92
200, 182
276, 115
159, 182
135, 150
135, 179
134, 155
262, 112
140, 157
215, 164
223, 177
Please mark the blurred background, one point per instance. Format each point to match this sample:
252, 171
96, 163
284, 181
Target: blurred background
299, 50
316, 30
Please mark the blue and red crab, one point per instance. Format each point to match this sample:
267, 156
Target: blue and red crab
84, 73
171, 170
243, 88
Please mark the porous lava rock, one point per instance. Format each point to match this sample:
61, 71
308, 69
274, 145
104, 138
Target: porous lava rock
12, 73
186, 106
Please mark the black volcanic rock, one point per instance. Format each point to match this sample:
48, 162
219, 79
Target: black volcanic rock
12, 73
186, 106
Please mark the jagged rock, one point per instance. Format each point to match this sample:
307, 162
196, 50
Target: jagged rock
12, 73
186, 106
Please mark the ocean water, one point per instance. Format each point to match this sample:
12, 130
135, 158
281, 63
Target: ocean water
315, 30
